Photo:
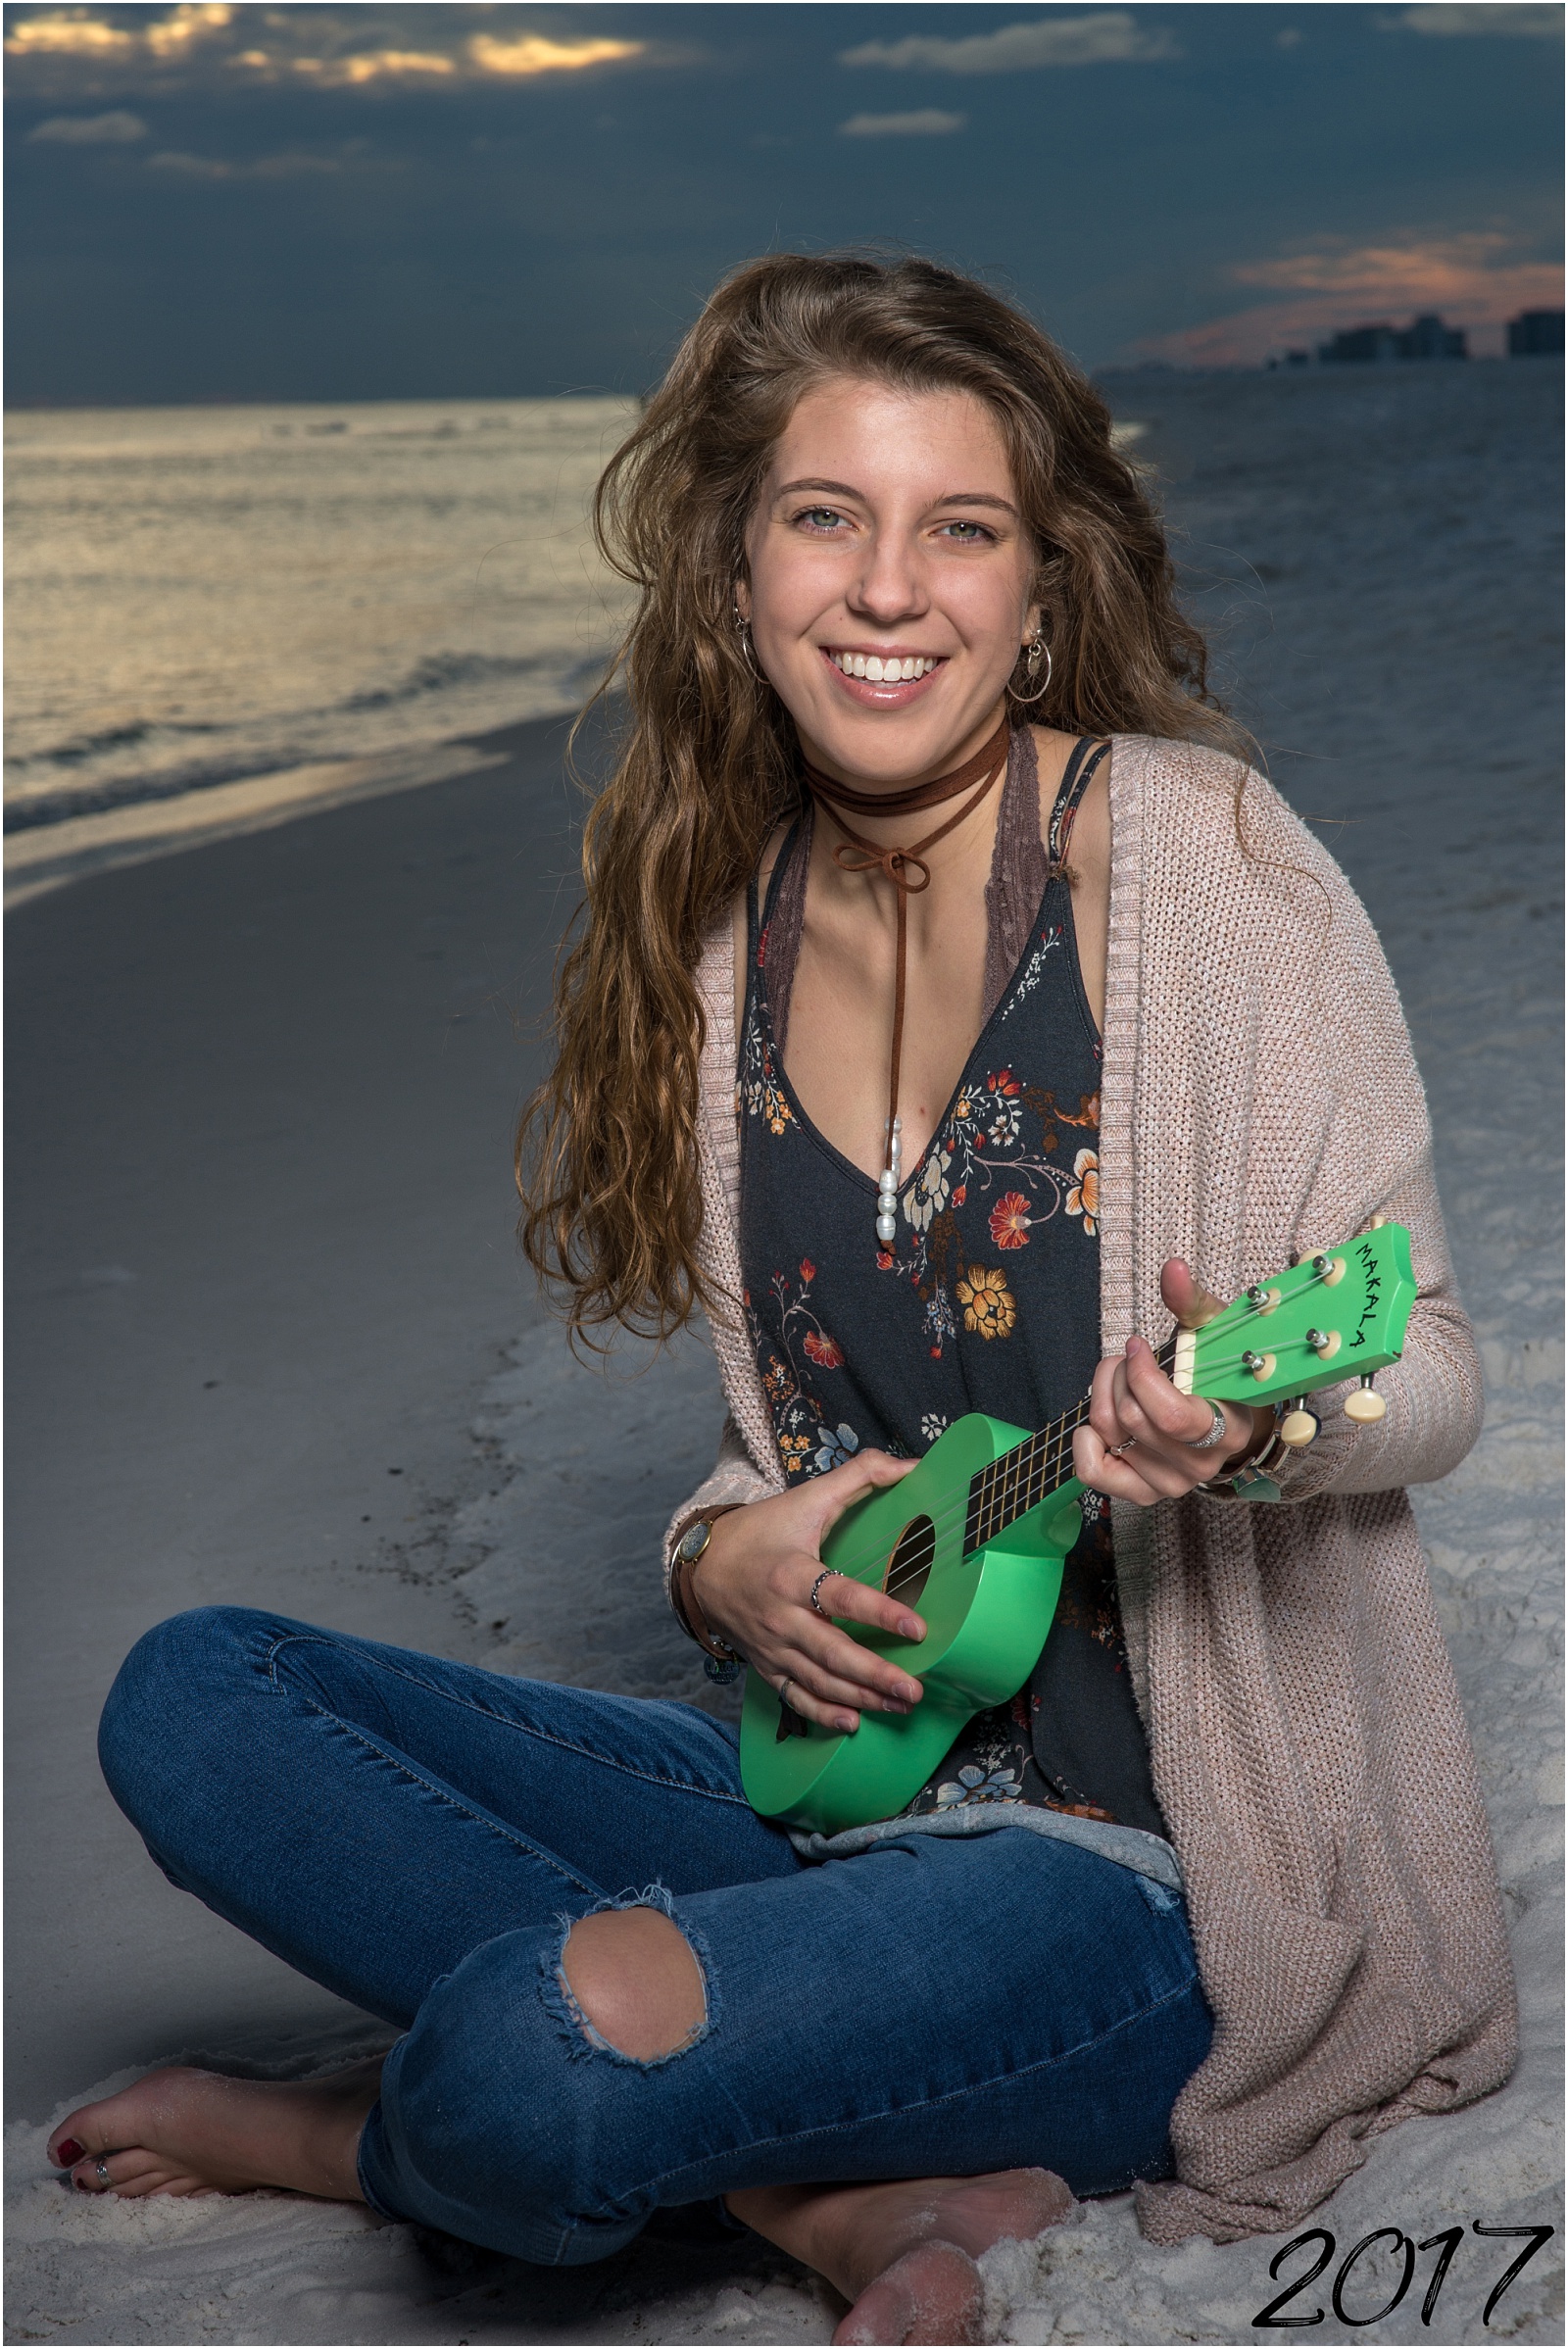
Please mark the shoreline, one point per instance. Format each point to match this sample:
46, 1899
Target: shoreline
44, 856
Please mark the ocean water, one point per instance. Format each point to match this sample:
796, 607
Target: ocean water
200, 593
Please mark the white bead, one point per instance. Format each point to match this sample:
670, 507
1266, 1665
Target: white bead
898, 1125
887, 1182
887, 1226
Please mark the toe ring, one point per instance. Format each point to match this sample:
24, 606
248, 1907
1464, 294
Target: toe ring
101, 2172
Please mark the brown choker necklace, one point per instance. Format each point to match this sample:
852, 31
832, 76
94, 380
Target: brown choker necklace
909, 873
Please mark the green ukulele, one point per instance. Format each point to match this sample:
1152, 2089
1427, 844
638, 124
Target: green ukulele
976, 1535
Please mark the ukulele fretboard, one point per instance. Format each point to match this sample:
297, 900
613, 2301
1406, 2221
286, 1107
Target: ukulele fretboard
1021, 1479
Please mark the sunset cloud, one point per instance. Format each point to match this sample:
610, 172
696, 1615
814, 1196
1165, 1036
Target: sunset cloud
368, 65
266, 167
1467, 278
1438, 269
167, 35
1510, 20
114, 129
329, 47
77, 32
66, 32
1109, 36
928, 122
533, 54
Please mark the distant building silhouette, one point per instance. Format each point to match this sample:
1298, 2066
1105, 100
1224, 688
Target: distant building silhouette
1426, 337
1535, 335
1429, 338
1363, 344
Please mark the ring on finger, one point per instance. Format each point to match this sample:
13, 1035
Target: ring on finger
1114, 1451
826, 1576
1217, 1432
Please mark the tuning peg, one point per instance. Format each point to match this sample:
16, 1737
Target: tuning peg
1299, 1426
1364, 1406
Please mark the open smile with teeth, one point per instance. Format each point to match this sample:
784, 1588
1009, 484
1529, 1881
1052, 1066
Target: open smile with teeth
891, 670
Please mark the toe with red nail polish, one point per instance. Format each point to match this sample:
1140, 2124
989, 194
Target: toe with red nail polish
68, 2152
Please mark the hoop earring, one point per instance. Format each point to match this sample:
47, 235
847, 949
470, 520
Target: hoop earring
744, 626
1037, 646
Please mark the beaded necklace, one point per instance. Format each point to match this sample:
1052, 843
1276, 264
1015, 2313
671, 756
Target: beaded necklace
909, 873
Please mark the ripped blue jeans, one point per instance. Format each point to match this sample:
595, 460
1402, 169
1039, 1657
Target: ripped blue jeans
419, 1836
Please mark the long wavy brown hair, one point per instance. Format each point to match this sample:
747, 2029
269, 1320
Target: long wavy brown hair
708, 759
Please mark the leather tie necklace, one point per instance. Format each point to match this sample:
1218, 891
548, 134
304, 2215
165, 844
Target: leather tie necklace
908, 873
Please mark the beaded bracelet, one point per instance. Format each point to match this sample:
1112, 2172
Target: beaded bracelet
1249, 1478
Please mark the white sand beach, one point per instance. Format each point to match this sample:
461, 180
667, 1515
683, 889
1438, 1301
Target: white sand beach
272, 1346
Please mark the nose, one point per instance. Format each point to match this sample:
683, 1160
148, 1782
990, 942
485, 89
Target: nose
890, 586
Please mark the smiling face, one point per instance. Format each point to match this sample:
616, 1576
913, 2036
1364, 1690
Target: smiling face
890, 578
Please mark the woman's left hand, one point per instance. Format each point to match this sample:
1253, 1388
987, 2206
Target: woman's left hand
1137, 1442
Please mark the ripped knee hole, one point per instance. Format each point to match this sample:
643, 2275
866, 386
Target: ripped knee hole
634, 1984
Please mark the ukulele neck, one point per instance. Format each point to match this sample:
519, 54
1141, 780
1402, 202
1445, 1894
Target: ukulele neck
1026, 1476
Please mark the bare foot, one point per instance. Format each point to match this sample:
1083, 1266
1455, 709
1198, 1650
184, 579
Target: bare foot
193, 2132
904, 2253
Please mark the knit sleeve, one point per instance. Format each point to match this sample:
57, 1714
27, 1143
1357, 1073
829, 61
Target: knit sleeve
1352, 1074
733, 1479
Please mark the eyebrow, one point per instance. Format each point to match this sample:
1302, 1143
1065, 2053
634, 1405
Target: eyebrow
958, 497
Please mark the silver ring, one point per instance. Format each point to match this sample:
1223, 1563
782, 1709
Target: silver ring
1117, 1449
1216, 1433
783, 1685
826, 1576
101, 2171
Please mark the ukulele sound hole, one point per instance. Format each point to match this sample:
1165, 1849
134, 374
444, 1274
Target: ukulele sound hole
912, 1561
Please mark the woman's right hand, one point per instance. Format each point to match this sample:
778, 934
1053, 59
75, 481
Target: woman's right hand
754, 1586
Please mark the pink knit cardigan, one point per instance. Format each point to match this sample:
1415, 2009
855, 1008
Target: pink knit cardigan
1307, 1744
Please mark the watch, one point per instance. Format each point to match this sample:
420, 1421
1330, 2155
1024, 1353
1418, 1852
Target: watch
693, 1541
719, 1660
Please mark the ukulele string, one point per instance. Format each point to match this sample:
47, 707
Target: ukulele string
1052, 1461
1048, 1466
1049, 1463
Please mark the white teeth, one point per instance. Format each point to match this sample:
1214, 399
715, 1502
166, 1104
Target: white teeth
878, 671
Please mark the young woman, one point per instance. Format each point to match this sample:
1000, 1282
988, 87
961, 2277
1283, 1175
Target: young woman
945, 1014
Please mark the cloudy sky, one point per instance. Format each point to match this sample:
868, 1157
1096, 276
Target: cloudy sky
385, 201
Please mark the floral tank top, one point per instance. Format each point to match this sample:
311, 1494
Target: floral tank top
987, 1300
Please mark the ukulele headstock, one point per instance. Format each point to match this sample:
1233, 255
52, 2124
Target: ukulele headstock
1337, 1314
